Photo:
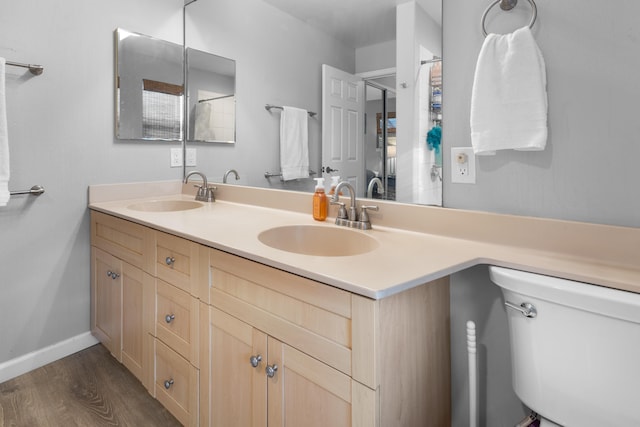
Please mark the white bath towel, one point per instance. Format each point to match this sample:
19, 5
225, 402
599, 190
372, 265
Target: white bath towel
294, 143
4, 141
509, 97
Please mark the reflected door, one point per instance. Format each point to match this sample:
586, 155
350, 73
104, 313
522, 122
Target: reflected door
343, 125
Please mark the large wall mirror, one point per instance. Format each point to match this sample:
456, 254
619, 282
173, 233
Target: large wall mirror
149, 91
393, 52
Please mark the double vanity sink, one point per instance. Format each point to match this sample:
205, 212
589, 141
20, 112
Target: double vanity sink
407, 246
327, 305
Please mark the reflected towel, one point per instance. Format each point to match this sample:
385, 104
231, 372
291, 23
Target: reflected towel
204, 130
509, 97
294, 143
4, 141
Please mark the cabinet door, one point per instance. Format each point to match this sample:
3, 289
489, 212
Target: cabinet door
304, 391
106, 316
237, 390
134, 282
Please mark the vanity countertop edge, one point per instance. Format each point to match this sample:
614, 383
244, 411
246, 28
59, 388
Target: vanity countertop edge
418, 244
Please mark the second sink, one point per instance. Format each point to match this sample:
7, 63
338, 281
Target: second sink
318, 241
165, 205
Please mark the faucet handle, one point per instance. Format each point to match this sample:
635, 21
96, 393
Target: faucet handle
208, 193
342, 212
364, 216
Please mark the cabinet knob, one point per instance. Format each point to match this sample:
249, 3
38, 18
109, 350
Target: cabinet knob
168, 384
271, 370
170, 260
169, 317
113, 274
255, 360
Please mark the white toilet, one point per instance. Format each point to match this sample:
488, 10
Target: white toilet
575, 349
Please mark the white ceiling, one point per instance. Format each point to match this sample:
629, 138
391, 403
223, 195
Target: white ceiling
356, 23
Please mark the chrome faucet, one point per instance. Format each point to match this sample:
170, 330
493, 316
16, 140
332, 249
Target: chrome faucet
375, 180
205, 192
342, 213
351, 219
229, 172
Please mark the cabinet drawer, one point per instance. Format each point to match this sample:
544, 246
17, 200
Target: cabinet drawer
313, 317
123, 239
177, 319
176, 384
177, 262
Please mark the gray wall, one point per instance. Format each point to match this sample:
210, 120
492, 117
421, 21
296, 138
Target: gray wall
61, 135
586, 173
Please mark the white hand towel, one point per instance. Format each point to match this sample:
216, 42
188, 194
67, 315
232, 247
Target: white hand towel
4, 141
294, 143
509, 97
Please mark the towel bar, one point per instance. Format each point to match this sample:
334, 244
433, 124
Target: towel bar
36, 190
271, 175
268, 107
36, 70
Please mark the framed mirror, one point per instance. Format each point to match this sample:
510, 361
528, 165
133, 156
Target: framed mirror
211, 97
149, 91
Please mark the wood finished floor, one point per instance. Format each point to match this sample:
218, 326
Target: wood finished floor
89, 388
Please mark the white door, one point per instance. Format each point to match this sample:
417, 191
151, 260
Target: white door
343, 126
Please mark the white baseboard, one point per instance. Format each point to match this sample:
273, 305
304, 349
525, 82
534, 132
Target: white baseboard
28, 362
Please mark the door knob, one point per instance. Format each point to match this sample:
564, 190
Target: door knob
170, 260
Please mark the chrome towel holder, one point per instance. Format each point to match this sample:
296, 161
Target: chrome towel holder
508, 5
36, 190
35, 69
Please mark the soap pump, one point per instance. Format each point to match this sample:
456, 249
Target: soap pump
320, 203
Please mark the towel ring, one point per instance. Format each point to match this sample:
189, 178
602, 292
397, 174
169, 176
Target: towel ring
508, 5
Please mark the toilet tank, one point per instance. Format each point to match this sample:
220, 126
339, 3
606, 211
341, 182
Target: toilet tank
577, 362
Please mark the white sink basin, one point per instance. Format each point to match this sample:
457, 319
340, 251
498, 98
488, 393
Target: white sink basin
165, 205
318, 241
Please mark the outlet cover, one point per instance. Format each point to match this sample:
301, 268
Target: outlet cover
463, 165
191, 157
176, 157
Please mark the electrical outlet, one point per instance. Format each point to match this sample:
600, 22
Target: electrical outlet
176, 157
191, 157
463, 165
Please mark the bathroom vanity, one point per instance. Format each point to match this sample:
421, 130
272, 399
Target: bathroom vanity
224, 329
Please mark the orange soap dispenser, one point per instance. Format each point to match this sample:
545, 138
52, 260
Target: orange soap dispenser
320, 202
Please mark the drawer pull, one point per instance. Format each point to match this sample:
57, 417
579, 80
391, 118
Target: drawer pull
169, 317
170, 260
168, 384
255, 360
271, 370
113, 274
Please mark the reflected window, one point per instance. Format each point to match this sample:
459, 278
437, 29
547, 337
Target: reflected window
161, 110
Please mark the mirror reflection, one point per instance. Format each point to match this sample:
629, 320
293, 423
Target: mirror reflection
211, 83
149, 91
281, 48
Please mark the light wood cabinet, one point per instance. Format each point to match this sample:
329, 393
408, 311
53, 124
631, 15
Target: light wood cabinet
143, 309
118, 289
256, 380
343, 359
175, 330
187, 321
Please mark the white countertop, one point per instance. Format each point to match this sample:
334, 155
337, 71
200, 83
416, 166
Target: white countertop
403, 258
